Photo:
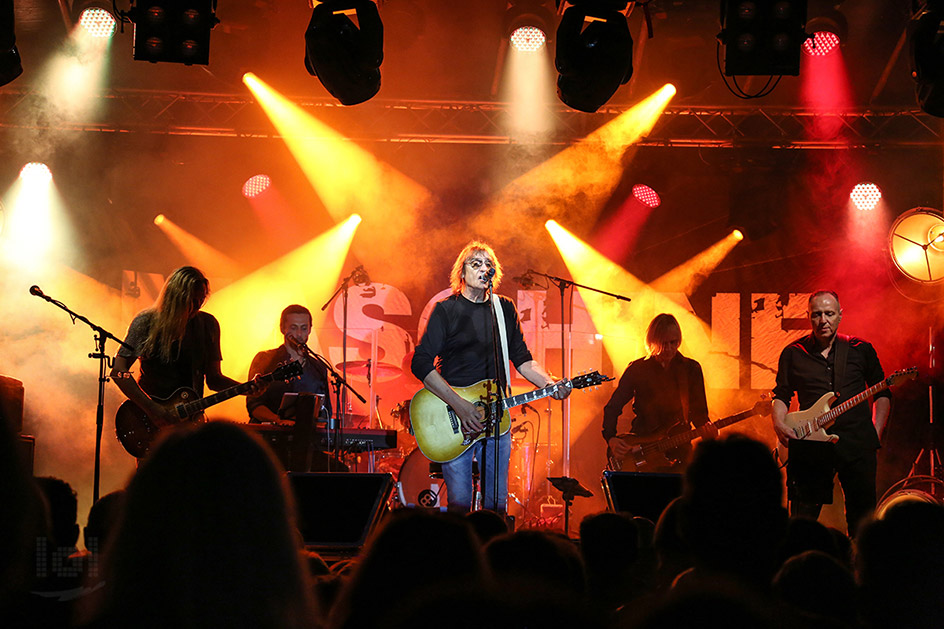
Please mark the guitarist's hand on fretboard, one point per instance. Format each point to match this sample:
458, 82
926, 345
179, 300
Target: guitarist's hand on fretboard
563, 390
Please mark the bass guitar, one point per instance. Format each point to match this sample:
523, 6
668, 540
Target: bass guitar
813, 422
649, 453
137, 432
436, 426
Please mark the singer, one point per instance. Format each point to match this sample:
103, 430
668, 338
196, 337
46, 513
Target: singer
295, 325
456, 351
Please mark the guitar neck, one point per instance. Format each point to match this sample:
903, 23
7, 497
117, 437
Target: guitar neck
686, 437
191, 408
830, 416
530, 396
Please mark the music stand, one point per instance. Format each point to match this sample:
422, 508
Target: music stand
570, 488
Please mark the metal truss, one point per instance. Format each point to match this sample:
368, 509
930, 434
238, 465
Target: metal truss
468, 122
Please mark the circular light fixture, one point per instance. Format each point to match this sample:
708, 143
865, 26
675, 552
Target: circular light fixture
865, 196
821, 43
158, 219
528, 39
98, 22
36, 172
916, 245
646, 195
256, 185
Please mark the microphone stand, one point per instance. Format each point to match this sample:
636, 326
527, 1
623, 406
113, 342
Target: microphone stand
101, 336
339, 382
562, 285
495, 411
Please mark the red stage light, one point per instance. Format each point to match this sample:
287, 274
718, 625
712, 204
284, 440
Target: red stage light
646, 195
865, 196
821, 43
256, 185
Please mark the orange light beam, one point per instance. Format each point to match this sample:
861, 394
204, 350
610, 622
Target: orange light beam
212, 261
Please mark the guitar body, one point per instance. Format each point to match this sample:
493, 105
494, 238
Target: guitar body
137, 432
798, 420
436, 426
641, 458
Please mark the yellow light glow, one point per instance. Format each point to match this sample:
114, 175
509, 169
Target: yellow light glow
347, 178
248, 309
577, 181
528, 87
686, 277
74, 77
37, 229
623, 325
212, 261
737, 234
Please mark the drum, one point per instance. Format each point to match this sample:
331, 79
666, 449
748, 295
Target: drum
416, 488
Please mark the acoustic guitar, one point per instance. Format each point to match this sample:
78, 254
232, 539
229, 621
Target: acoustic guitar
436, 426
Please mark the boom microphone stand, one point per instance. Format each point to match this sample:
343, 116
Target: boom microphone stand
336, 431
104, 361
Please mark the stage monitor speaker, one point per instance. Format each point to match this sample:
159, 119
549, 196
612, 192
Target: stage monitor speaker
338, 511
810, 470
644, 495
11, 402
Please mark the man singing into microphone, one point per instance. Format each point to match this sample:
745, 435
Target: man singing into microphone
295, 325
456, 351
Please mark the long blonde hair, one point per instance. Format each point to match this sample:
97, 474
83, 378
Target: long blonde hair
182, 295
457, 275
657, 336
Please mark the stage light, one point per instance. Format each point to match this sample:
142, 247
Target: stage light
36, 172
10, 64
159, 219
762, 37
916, 245
646, 195
865, 196
821, 43
345, 56
827, 31
737, 234
95, 17
594, 53
926, 35
173, 31
527, 23
256, 185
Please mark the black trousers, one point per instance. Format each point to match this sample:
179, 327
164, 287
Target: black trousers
856, 477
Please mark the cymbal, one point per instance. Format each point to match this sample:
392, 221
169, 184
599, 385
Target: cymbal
379, 370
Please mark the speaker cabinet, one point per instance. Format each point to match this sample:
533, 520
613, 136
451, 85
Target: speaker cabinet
337, 512
644, 495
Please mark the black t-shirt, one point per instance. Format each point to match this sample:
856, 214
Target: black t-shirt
314, 379
191, 356
803, 369
458, 341
657, 392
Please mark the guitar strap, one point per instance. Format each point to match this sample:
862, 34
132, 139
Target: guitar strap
839, 366
502, 334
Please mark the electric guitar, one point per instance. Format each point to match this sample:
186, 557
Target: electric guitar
438, 431
137, 432
649, 453
812, 422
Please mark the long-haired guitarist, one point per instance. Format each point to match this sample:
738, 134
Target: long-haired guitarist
824, 362
667, 390
456, 351
178, 346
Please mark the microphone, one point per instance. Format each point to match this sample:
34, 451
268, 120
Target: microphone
36, 290
359, 276
525, 280
490, 273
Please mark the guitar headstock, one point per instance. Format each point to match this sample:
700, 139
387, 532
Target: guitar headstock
764, 405
287, 371
590, 379
902, 374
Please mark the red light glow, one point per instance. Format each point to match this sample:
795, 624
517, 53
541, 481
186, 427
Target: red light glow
865, 196
646, 195
256, 185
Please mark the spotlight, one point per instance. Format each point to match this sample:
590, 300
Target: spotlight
173, 31
10, 64
158, 219
36, 172
345, 56
762, 37
527, 23
865, 196
594, 53
926, 35
95, 17
256, 185
826, 33
738, 235
646, 195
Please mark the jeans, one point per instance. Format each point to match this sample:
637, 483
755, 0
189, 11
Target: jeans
458, 475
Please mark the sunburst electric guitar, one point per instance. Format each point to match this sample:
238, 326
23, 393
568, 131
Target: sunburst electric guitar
812, 422
650, 453
137, 432
436, 426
